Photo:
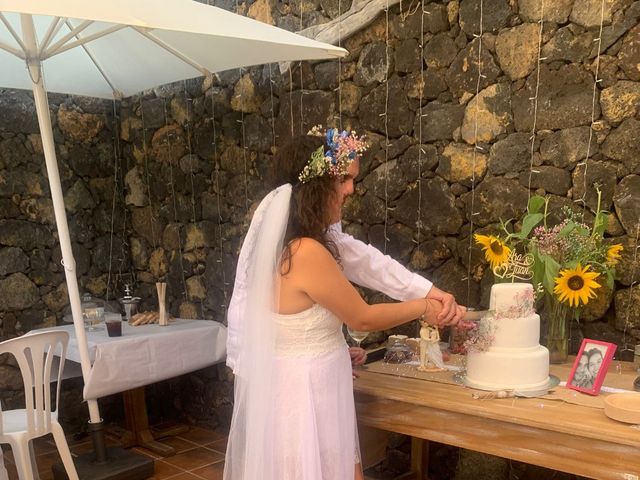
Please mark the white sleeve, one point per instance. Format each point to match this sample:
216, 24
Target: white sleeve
369, 267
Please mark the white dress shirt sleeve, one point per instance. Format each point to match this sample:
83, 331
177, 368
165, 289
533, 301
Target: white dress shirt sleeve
369, 267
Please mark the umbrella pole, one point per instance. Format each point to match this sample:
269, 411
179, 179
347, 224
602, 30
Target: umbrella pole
121, 464
68, 261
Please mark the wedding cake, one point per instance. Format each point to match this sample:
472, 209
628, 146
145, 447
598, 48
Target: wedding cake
513, 358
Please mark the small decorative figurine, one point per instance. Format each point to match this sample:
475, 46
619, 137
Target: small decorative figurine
430, 353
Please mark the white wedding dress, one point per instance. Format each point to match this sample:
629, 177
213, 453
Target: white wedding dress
315, 434
293, 414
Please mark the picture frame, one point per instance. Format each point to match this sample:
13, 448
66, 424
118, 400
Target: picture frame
591, 366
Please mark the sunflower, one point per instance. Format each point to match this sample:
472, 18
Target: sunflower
495, 250
613, 254
575, 285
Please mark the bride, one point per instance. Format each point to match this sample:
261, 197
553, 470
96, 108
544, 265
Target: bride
294, 415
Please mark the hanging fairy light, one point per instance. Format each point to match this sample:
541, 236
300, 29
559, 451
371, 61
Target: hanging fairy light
145, 154
476, 147
627, 318
301, 77
340, 65
273, 114
420, 99
534, 101
117, 159
169, 146
596, 81
386, 128
244, 143
188, 102
216, 161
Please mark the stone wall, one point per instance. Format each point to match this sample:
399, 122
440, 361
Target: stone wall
161, 186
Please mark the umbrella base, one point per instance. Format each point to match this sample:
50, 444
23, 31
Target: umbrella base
120, 465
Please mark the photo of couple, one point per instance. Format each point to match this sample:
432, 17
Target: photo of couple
591, 366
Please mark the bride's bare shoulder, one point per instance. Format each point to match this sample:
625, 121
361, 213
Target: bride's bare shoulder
307, 247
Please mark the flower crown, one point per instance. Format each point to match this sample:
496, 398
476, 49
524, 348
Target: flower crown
343, 148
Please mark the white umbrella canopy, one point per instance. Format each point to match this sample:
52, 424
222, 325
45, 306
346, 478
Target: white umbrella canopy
121, 47
115, 48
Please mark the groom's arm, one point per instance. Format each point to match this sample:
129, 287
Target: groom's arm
367, 266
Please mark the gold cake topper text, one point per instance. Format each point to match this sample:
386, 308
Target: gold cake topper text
517, 266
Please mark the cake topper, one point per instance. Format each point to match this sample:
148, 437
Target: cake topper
517, 266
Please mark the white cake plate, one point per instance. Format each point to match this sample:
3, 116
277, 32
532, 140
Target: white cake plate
536, 391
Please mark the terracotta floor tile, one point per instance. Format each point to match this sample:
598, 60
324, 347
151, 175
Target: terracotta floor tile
80, 448
218, 445
148, 453
180, 444
46, 461
210, 472
196, 458
163, 470
201, 436
42, 445
185, 476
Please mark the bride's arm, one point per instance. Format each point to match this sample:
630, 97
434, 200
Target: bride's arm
315, 272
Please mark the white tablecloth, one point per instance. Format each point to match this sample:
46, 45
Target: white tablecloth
147, 353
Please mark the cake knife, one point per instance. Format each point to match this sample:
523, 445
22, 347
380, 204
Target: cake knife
474, 315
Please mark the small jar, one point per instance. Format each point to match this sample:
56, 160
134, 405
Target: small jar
397, 350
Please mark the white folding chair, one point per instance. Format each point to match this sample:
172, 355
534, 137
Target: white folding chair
34, 354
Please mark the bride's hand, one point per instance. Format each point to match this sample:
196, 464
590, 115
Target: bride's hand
358, 356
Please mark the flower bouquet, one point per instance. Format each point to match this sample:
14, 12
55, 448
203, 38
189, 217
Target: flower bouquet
567, 263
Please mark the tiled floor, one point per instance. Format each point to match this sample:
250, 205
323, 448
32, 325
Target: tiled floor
199, 456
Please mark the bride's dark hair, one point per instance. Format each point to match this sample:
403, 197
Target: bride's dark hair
308, 214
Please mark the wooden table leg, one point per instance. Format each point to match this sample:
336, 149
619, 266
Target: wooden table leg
135, 410
419, 460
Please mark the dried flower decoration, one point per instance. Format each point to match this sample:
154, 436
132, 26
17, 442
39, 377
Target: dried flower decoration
480, 337
342, 148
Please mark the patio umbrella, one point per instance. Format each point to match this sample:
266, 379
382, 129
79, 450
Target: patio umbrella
115, 48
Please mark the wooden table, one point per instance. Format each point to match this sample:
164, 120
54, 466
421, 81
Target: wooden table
550, 433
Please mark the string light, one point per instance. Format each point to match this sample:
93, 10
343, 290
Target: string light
244, 145
169, 145
421, 93
534, 100
476, 147
216, 161
596, 80
301, 76
273, 115
188, 102
291, 99
634, 263
386, 128
340, 65
117, 159
145, 154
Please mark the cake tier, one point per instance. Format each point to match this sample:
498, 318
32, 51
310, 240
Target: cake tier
510, 333
522, 370
510, 296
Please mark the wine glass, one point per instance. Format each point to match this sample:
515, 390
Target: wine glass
92, 317
357, 335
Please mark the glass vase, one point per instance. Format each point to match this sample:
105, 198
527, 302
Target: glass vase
558, 319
